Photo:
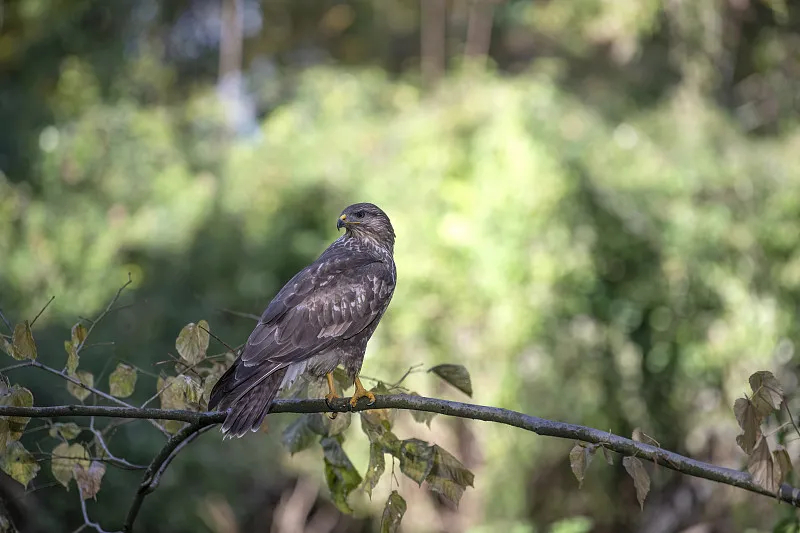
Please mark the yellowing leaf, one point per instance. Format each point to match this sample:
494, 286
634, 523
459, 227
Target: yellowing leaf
172, 397
22, 343
341, 475
76, 390
214, 373
7, 346
72, 357
455, 375
782, 462
640, 436
65, 457
19, 464
393, 513
749, 421
67, 431
122, 381
767, 392
88, 479
416, 459
192, 342
641, 479
448, 476
762, 468
17, 397
580, 457
73, 346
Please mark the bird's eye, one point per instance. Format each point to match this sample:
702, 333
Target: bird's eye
359, 214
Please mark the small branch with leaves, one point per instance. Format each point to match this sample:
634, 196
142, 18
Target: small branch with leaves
182, 418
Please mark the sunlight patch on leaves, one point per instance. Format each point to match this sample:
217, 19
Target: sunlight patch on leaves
122, 381
22, 344
455, 375
19, 463
341, 475
76, 390
192, 342
65, 458
641, 479
393, 513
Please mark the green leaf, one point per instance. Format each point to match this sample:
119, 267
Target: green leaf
423, 417
448, 476
393, 513
376, 426
767, 392
65, 457
641, 479
17, 397
22, 344
172, 397
762, 467
122, 381
72, 358
341, 475
580, 457
19, 464
89, 479
323, 425
298, 435
750, 421
76, 390
376, 467
192, 342
7, 346
455, 375
66, 431
416, 459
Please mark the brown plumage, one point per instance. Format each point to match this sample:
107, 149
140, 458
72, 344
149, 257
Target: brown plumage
321, 318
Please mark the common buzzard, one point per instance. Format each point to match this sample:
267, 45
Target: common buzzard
321, 318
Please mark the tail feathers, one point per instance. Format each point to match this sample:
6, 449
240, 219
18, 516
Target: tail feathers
247, 409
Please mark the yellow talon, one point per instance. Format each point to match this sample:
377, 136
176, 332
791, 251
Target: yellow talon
361, 392
332, 394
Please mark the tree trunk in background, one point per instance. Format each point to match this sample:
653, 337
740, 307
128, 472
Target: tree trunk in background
479, 29
433, 30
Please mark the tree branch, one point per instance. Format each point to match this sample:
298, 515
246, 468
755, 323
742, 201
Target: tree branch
200, 420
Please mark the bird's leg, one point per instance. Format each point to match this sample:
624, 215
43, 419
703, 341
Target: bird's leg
361, 392
332, 394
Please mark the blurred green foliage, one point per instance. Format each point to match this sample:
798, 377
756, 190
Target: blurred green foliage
608, 236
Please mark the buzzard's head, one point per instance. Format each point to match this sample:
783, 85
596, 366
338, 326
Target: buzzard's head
367, 220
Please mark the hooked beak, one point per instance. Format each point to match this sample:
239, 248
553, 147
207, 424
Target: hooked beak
341, 222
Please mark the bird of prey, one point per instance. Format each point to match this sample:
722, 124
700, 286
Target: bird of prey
322, 318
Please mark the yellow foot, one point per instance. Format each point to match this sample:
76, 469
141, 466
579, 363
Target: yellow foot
331, 395
361, 392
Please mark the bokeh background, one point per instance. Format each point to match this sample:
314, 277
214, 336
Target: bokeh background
596, 204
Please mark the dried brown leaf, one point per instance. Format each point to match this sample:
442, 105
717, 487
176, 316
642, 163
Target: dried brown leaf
641, 479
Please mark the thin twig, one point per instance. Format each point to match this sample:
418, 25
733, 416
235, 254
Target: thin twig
5, 320
240, 314
113, 459
791, 418
217, 339
103, 314
86, 521
42, 310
